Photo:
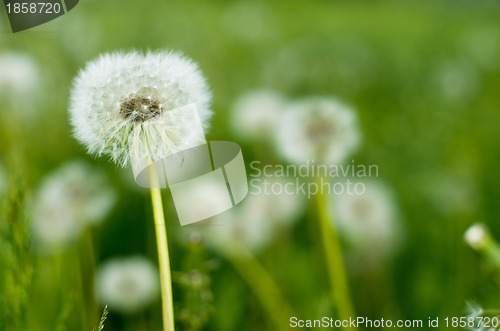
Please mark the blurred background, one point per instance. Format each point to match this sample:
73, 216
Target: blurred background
422, 78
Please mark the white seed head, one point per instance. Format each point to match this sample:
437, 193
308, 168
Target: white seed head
369, 221
475, 235
254, 223
122, 95
458, 80
19, 75
71, 198
318, 129
256, 114
127, 284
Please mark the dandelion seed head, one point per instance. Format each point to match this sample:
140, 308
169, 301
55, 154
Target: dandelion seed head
369, 221
318, 129
256, 114
19, 74
475, 235
127, 284
458, 80
255, 222
71, 198
121, 95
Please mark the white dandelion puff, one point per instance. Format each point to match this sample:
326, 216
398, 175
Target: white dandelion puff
70, 199
318, 129
19, 74
127, 284
254, 223
128, 98
19, 85
458, 80
475, 235
255, 114
369, 221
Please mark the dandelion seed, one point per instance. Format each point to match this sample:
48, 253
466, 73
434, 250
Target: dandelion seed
369, 221
70, 199
127, 284
117, 95
256, 114
318, 129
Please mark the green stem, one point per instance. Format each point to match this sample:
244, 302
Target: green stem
333, 254
87, 267
163, 258
261, 284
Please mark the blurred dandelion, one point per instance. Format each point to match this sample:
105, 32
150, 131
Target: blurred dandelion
324, 130
122, 106
127, 284
243, 231
19, 74
458, 80
255, 223
320, 129
70, 199
256, 114
369, 222
19, 80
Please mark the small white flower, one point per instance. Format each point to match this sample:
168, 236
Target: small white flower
318, 129
369, 221
127, 284
19, 75
475, 235
71, 198
255, 115
255, 222
124, 95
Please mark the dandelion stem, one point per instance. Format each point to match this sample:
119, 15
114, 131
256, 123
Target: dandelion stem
333, 254
163, 258
261, 283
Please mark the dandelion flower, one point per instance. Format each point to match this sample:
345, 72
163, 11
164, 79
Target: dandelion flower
127, 284
256, 114
124, 95
369, 221
70, 199
318, 129
475, 235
